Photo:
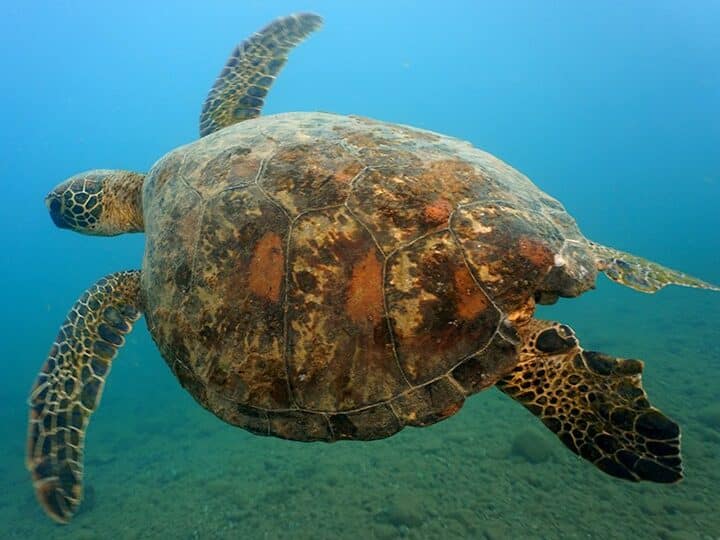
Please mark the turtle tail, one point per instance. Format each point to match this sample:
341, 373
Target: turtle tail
641, 274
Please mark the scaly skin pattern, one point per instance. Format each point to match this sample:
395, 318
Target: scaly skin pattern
321, 277
69, 386
100, 202
595, 404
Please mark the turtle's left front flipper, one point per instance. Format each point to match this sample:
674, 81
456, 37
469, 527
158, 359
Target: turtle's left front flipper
641, 274
239, 91
595, 404
68, 388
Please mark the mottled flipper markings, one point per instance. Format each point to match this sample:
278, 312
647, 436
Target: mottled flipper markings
239, 91
595, 404
69, 386
641, 274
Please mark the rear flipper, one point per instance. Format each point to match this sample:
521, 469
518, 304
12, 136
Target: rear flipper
595, 404
68, 389
641, 274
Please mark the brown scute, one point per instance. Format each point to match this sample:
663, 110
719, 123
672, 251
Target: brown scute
509, 251
254, 420
536, 252
424, 299
471, 300
452, 176
449, 410
438, 212
310, 175
165, 170
300, 426
429, 404
173, 216
235, 167
373, 423
228, 324
267, 267
339, 357
483, 370
374, 149
366, 142
244, 346
400, 203
365, 292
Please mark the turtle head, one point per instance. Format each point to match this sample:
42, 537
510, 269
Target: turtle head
99, 202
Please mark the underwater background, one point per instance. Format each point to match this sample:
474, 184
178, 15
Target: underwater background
614, 108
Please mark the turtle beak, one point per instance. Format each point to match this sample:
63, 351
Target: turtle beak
54, 205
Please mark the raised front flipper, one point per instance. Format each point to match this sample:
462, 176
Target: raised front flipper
68, 388
641, 274
240, 89
595, 404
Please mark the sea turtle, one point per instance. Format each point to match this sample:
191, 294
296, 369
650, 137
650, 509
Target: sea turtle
319, 277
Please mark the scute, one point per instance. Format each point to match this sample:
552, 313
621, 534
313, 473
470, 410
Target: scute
172, 216
234, 168
310, 175
343, 275
439, 313
401, 203
235, 304
340, 349
510, 250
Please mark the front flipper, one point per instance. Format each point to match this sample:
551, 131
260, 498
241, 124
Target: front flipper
68, 388
595, 404
641, 274
239, 92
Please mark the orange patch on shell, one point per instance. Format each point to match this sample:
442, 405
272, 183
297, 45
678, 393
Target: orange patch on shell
346, 174
267, 267
535, 252
365, 294
438, 212
471, 301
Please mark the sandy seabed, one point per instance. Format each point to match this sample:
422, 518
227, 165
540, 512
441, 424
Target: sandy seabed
159, 466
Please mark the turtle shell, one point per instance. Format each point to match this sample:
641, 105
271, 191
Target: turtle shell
322, 277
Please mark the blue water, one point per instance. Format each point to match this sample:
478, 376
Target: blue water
612, 108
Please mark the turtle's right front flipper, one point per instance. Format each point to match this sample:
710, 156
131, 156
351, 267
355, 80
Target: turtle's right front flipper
69, 386
595, 404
